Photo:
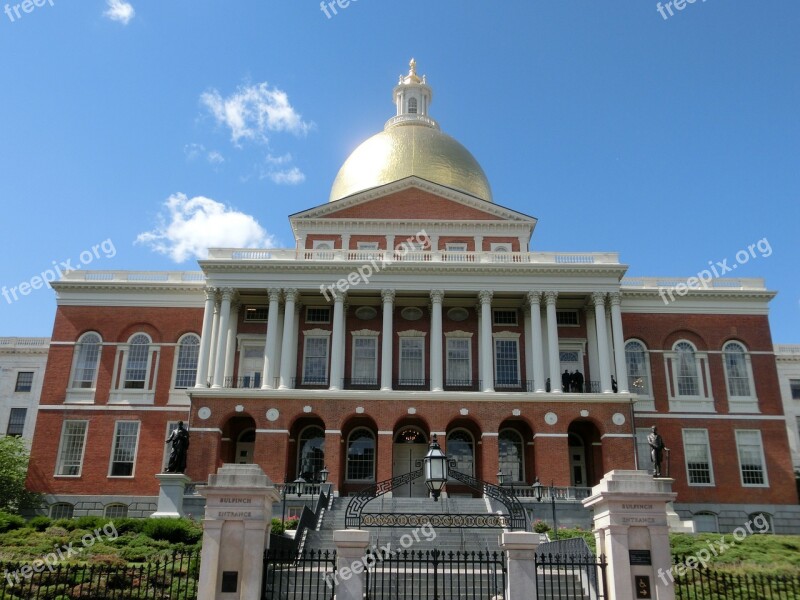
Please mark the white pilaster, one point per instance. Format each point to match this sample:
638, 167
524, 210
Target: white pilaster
609, 331
201, 380
526, 343
591, 336
599, 299
222, 337
386, 339
291, 295
535, 346
486, 356
615, 298
271, 345
552, 342
436, 341
337, 341
233, 326
212, 355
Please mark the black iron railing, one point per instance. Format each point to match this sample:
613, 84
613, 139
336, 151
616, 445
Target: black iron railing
575, 575
695, 582
361, 383
411, 384
462, 385
309, 575
310, 383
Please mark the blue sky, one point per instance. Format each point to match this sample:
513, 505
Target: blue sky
674, 141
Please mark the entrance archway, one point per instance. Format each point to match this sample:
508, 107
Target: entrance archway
245, 447
585, 454
410, 446
239, 440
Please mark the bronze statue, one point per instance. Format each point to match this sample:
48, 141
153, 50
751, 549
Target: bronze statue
657, 447
179, 438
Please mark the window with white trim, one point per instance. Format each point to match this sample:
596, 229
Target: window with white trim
697, 455
123, 454
24, 381
412, 360
318, 314
686, 370
637, 362
186, 366
16, 422
504, 316
511, 455
256, 314
84, 372
794, 387
412, 106
750, 449
737, 370
61, 510
456, 251
705, 522
315, 360
365, 360
367, 250
506, 362
71, 448
361, 455
324, 249
567, 318
137, 363
311, 452
116, 511
459, 361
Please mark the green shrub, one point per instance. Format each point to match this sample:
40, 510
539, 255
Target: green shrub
175, 531
68, 524
90, 523
9, 521
129, 525
40, 523
540, 526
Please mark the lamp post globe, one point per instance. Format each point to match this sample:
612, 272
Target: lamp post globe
435, 469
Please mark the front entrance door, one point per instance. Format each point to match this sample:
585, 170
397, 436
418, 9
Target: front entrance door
244, 448
577, 462
410, 446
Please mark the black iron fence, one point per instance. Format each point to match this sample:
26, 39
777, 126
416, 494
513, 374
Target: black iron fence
435, 575
702, 583
309, 575
174, 577
568, 569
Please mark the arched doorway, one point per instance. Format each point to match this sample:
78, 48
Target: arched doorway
245, 447
410, 446
585, 454
577, 461
238, 440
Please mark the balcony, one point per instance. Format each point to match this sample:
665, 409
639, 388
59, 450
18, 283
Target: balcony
422, 385
361, 383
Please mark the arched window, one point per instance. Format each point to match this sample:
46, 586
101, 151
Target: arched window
736, 369
186, 367
361, 455
84, 375
116, 511
512, 455
686, 365
61, 510
461, 448
136, 365
638, 374
705, 522
412, 106
311, 453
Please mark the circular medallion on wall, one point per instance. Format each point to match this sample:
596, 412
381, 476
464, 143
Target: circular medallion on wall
584, 413
458, 313
551, 418
411, 313
618, 419
307, 409
204, 413
366, 313
464, 412
239, 408
359, 410
516, 412
412, 411
273, 414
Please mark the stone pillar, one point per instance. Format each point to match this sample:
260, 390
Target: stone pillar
536, 347
437, 379
239, 501
351, 546
609, 332
520, 548
486, 354
205, 339
599, 299
337, 342
619, 341
552, 342
387, 339
631, 529
592, 349
286, 344
271, 345
170, 495
222, 337
230, 355
212, 355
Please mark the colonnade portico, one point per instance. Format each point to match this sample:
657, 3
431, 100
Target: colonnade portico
605, 339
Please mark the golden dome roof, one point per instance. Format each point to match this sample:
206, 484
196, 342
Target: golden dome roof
411, 144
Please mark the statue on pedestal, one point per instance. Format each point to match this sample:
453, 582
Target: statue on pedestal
179, 438
657, 447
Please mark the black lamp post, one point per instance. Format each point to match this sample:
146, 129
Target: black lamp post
323, 475
501, 477
538, 488
285, 486
435, 469
299, 485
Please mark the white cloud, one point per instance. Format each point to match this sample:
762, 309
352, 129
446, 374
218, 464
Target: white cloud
254, 110
188, 227
215, 157
194, 151
119, 10
293, 176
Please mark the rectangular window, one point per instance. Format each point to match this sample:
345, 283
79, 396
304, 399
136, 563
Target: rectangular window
459, 364
567, 318
256, 314
318, 314
505, 317
506, 363
697, 453
123, 455
16, 421
643, 449
751, 458
412, 357
365, 360
794, 384
315, 361
70, 450
24, 381
456, 252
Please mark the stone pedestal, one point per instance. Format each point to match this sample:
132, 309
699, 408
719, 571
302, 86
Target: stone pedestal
239, 501
170, 495
520, 548
631, 529
351, 546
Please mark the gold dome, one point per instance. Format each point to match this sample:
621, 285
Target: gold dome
411, 148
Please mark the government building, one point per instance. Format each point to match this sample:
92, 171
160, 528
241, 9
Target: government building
412, 304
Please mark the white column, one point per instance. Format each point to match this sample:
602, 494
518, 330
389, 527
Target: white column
552, 342
230, 356
212, 355
619, 341
387, 339
436, 254
222, 336
437, 380
205, 339
526, 343
609, 338
487, 356
536, 347
271, 345
591, 335
337, 340
599, 299
291, 296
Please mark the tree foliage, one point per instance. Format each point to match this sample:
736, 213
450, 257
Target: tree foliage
13, 470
